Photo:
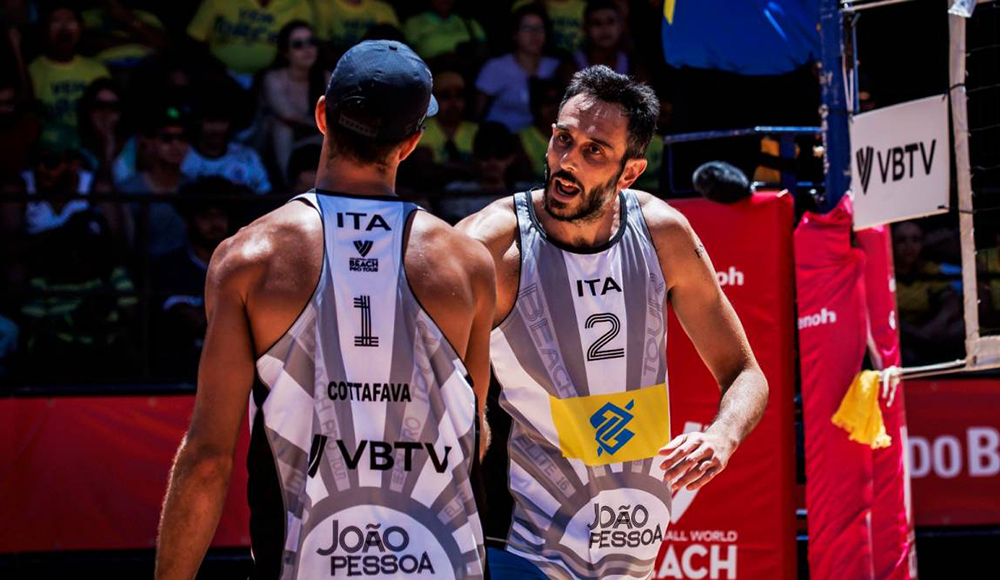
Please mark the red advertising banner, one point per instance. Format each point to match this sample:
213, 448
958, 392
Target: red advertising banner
742, 524
81, 473
954, 451
833, 332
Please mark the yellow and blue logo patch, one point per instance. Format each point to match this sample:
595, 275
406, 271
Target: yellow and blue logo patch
613, 428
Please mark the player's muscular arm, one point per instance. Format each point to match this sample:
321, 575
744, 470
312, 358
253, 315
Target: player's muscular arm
477, 355
496, 227
200, 475
453, 277
707, 317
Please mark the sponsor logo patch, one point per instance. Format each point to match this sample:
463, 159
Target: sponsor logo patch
363, 264
613, 428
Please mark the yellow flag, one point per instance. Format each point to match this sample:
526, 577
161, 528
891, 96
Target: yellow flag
612, 428
859, 413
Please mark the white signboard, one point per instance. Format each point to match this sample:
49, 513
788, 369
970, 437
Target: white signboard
900, 162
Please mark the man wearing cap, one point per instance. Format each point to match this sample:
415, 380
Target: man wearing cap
358, 328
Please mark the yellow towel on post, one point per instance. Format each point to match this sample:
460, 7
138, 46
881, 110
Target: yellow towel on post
859, 413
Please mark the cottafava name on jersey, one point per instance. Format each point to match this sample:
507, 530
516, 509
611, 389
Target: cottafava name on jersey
373, 552
380, 392
624, 528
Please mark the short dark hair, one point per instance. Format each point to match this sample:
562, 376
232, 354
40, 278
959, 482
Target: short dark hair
637, 100
534, 8
721, 182
345, 142
364, 150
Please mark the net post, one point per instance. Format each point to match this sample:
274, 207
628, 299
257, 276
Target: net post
833, 111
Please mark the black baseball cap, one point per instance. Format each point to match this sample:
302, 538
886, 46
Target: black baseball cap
380, 89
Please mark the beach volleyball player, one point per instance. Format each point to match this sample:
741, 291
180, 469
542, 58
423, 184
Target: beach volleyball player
355, 325
585, 270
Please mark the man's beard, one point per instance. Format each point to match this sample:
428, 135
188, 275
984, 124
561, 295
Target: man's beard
593, 200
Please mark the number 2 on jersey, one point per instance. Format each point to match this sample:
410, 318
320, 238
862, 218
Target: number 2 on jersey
594, 353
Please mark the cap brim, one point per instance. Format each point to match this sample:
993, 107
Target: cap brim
432, 107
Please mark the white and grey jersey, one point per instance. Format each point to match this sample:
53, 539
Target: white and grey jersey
364, 429
581, 361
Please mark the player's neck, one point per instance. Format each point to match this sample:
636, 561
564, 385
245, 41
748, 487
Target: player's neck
348, 177
580, 234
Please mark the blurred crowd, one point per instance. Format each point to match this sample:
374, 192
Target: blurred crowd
137, 135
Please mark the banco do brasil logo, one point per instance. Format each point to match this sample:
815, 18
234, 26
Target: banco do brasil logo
610, 421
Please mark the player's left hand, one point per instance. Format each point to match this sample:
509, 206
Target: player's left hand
693, 459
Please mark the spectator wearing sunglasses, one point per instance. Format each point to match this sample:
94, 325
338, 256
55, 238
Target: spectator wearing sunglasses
445, 151
449, 134
164, 140
291, 88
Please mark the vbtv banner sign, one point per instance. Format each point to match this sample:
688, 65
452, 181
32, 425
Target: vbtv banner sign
900, 162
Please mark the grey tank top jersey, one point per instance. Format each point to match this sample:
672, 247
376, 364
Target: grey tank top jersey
364, 428
581, 361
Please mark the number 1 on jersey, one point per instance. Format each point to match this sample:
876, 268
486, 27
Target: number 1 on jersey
363, 303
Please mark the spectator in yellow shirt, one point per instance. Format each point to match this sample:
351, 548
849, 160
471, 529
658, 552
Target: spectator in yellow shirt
344, 23
440, 31
121, 36
60, 76
242, 34
567, 21
448, 134
930, 307
444, 153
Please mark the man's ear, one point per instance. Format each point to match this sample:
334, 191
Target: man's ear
320, 114
409, 145
633, 169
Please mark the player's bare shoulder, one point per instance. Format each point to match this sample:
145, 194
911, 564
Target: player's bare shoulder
661, 218
677, 244
495, 226
442, 261
273, 266
666, 224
